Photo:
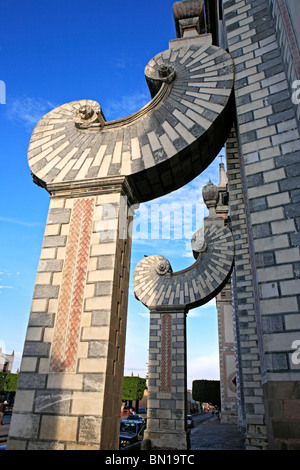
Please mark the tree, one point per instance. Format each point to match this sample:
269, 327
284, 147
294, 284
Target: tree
207, 391
8, 383
133, 389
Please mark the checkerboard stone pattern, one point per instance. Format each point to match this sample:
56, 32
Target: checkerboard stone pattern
161, 147
169, 296
72, 368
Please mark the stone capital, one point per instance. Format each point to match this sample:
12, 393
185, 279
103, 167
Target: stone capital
93, 187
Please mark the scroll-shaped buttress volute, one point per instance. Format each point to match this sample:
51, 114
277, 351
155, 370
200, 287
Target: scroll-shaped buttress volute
158, 287
158, 149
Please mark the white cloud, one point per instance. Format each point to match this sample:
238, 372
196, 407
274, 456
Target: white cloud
201, 312
9, 277
11, 220
5, 287
9, 273
144, 314
125, 105
27, 111
203, 367
196, 313
211, 303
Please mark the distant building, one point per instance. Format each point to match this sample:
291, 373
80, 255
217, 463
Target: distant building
6, 361
192, 405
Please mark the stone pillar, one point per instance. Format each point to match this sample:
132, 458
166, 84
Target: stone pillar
70, 384
227, 357
166, 423
247, 325
262, 42
227, 352
169, 296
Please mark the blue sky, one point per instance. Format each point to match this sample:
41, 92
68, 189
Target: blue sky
52, 53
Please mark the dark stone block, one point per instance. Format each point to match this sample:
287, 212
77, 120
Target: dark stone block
42, 291
103, 288
41, 319
36, 349
28, 380
53, 402
59, 216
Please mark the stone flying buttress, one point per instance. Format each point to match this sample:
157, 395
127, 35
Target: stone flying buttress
157, 287
159, 148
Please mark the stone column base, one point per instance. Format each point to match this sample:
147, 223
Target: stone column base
282, 403
229, 417
168, 440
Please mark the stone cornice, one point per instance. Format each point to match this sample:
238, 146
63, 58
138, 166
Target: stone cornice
92, 188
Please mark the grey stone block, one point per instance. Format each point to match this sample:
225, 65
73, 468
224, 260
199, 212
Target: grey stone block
39, 445
292, 210
89, 429
100, 318
41, 319
289, 183
45, 292
23, 426
261, 230
272, 323
94, 382
31, 381
36, 349
105, 262
53, 402
103, 288
98, 349
277, 362
258, 204
59, 216
54, 241
50, 265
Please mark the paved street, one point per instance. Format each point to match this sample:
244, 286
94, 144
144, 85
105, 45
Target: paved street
210, 434
4, 429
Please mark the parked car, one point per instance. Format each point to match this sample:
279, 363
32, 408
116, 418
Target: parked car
142, 411
136, 418
190, 421
130, 432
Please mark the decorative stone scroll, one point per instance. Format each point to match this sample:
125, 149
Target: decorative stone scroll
159, 148
169, 295
155, 285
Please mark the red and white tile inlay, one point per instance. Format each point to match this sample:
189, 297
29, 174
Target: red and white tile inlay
65, 343
166, 353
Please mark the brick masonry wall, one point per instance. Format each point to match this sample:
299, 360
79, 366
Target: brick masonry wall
285, 26
167, 380
269, 145
70, 384
248, 354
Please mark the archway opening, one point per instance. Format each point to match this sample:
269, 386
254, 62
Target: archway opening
165, 226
